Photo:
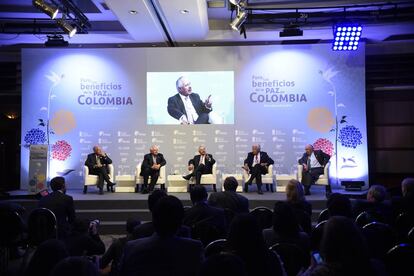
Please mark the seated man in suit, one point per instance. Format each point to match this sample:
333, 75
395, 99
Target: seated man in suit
186, 106
375, 204
203, 216
313, 162
229, 199
404, 203
256, 163
61, 205
164, 253
97, 163
200, 164
151, 165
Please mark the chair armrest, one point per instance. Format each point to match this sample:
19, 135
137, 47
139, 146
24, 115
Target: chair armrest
85, 173
111, 171
326, 169
300, 171
138, 170
214, 169
270, 169
162, 172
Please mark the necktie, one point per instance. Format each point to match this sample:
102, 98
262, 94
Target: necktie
309, 163
257, 159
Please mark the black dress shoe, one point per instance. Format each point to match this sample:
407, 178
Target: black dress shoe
144, 191
101, 191
307, 192
260, 192
246, 188
187, 177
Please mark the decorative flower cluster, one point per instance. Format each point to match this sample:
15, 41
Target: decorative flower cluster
35, 136
350, 136
61, 150
325, 145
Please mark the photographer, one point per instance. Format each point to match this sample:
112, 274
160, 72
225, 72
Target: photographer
85, 240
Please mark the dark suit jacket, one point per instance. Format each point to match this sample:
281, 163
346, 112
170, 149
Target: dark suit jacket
91, 161
62, 206
208, 162
202, 212
156, 255
176, 106
322, 158
381, 211
229, 200
148, 162
264, 158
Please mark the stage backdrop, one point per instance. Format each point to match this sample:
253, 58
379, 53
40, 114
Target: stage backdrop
281, 97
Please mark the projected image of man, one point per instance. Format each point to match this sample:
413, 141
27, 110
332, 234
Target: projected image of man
186, 106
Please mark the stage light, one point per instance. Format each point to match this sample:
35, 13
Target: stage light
238, 22
348, 34
46, 8
66, 27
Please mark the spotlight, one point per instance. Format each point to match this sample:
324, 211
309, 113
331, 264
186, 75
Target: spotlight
348, 34
237, 22
66, 27
46, 8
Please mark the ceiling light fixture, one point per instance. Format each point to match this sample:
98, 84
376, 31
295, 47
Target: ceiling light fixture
66, 27
346, 37
238, 22
133, 12
46, 8
184, 11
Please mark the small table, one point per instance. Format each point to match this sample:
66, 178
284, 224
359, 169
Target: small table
282, 180
125, 183
176, 184
239, 178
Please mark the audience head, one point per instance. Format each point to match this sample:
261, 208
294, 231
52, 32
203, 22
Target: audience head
46, 256
407, 187
284, 220
255, 149
343, 244
245, 236
294, 191
131, 224
154, 149
230, 184
167, 216
376, 193
223, 264
58, 183
198, 194
309, 149
339, 205
154, 197
79, 266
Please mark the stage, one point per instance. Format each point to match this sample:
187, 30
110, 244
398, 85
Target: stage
113, 209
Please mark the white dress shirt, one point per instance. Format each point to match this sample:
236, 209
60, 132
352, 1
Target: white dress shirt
314, 162
192, 115
256, 159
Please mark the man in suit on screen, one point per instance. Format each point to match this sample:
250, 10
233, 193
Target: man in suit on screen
98, 162
151, 165
256, 164
200, 164
313, 162
186, 106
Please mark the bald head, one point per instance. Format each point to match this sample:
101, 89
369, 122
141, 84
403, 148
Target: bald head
309, 149
255, 149
97, 150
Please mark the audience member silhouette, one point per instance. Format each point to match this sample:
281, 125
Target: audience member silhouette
229, 199
246, 241
79, 266
164, 253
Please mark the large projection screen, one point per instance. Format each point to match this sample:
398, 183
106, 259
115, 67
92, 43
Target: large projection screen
281, 97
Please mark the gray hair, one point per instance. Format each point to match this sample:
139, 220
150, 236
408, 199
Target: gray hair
256, 146
155, 147
377, 192
179, 82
